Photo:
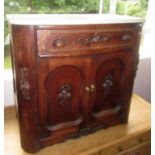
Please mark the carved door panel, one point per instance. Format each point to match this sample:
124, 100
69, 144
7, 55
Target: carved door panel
108, 100
63, 91
108, 78
60, 88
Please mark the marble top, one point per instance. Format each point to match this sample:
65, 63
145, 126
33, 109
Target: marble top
70, 19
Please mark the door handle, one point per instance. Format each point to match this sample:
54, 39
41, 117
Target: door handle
87, 89
90, 88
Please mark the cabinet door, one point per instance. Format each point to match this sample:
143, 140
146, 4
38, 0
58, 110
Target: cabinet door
60, 86
113, 81
107, 80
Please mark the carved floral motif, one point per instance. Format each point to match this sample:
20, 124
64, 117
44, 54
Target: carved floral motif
24, 83
65, 94
94, 38
107, 84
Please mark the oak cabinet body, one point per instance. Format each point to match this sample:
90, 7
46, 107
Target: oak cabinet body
72, 80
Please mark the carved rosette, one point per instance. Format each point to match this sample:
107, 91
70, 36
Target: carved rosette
24, 83
107, 84
64, 96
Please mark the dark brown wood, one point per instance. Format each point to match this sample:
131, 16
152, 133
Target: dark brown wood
79, 40
72, 80
24, 63
55, 42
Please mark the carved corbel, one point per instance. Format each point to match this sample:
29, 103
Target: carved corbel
24, 83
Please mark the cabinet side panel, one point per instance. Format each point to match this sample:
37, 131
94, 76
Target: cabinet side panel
134, 61
24, 58
13, 72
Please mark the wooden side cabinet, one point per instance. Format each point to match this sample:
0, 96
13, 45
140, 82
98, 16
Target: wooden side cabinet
72, 78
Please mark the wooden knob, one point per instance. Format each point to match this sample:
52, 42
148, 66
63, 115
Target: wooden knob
140, 139
92, 88
99, 152
120, 148
87, 89
126, 37
59, 43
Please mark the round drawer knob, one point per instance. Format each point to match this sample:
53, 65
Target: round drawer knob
59, 43
120, 148
92, 88
87, 89
126, 37
140, 139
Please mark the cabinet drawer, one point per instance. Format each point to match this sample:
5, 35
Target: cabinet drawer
144, 149
75, 42
126, 146
136, 141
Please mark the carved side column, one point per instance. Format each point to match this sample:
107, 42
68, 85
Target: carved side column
24, 62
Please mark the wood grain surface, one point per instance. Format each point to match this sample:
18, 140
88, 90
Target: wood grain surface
71, 81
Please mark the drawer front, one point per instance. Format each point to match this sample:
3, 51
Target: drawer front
127, 146
74, 42
144, 149
133, 142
